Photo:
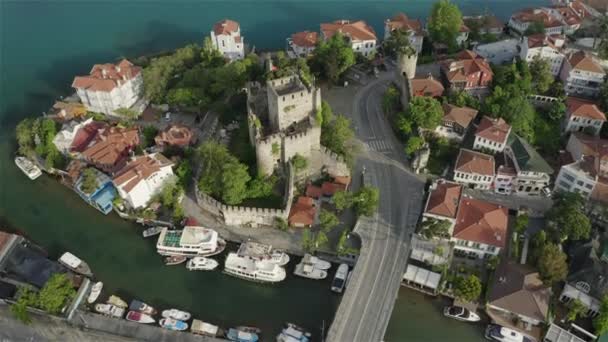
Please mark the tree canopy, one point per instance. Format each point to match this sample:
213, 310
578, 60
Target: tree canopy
567, 219
432, 228
535, 27
35, 136
425, 112
552, 264
463, 99
600, 322
299, 162
222, 175
366, 201
398, 43
89, 180
444, 22
467, 288
540, 70
55, 293
333, 57
328, 220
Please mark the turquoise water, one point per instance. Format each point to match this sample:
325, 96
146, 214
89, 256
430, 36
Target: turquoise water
45, 43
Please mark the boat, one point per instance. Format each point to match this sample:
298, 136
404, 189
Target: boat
28, 167
176, 314
95, 292
175, 260
249, 329
201, 264
173, 324
279, 257
152, 231
461, 314
191, 241
110, 310
495, 332
241, 336
203, 328
318, 263
254, 269
142, 307
136, 316
293, 333
72, 262
307, 270
117, 301
337, 284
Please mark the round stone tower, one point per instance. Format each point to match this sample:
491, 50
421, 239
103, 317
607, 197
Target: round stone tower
407, 64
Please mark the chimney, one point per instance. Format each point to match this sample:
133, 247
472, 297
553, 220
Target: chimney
104, 73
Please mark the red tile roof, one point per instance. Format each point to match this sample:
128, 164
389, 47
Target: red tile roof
401, 22
111, 147
600, 191
467, 63
345, 180
427, 86
541, 40
313, 191
482, 222
460, 115
530, 15
302, 212
355, 30
594, 145
329, 188
225, 26
305, 38
85, 135
105, 77
443, 200
4, 239
584, 108
582, 61
139, 169
493, 129
474, 162
175, 135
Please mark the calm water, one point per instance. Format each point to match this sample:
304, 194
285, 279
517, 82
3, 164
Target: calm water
45, 43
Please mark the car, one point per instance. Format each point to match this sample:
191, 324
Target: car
168, 116
546, 191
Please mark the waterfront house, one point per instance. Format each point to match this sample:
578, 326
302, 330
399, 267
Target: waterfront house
102, 197
487, 24
226, 38
456, 121
109, 87
582, 75
442, 202
517, 298
413, 28
582, 115
302, 44
302, 213
142, 178
521, 20
556, 333
468, 71
421, 279
533, 172
474, 169
426, 86
492, 134
111, 147
65, 137
175, 135
480, 230
545, 47
86, 135
361, 36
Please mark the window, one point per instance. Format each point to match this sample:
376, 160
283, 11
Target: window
579, 183
589, 186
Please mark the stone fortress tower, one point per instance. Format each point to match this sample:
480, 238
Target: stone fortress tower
405, 72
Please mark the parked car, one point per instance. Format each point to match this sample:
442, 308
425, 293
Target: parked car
168, 116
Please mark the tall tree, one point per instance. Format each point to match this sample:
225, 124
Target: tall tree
445, 22
600, 322
540, 70
425, 112
89, 180
552, 264
366, 200
337, 134
55, 293
413, 144
398, 43
342, 199
435, 228
328, 220
333, 57
467, 289
567, 219
234, 182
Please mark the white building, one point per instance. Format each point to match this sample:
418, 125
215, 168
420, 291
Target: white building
413, 27
463, 35
492, 135
109, 87
545, 47
361, 36
583, 115
302, 44
580, 176
63, 140
555, 20
226, 37
500, 52
505, 178
582, 75
533, 172
474, 169
142, 178
455, 122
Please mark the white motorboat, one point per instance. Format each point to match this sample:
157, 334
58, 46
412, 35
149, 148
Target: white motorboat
279, 257
293, 333
136, 316
254, 269
201, 264
117, 301
28, 167
110, 310
318, 263
95, 292
307, 270
72, 262
173, 324
191, 241
495, 332
152, 231
176, 314
337, 284
461, 314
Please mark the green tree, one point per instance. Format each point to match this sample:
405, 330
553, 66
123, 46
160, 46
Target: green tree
187, 97
333, 57
26, 298
398, 43
366, 201
127, 113
307, 240
463, 99
425, 112
276, 149
299, 163
25, 136
404, 124
55, 293
261, 186
434, 228
600, 322
327, 114
281, 224
149, 133
210, 56
444, 22
320, 241
552, 264
467, 289
342, 199
413, 145
556, 111
212, 157
535, 28
183, 171
89, 180
234, 182
337, 134
521, 223
328, 220
540, 70
576, 309
178, 213
567, 219
390, 100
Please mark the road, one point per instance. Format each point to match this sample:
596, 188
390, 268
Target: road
368, 301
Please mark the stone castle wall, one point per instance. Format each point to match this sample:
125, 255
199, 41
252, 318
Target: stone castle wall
286, 109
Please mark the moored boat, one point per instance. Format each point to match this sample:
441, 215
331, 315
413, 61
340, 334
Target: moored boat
203, 328
279, 257
173, 324
201, 264
249, 329
337, 284
174, 260
176, 314
461, 314
28, 167
110, 310
316, 262
306, 270
117, 301
72, 262
241, 336
495, 332
142, 307
254, 269
191, 241
152, 231
293, 333
95, 292
136, 316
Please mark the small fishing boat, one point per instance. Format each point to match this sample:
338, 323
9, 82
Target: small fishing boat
248, 329
173, 324
152, 231
306, 270
201, 264
95, 292
317, 263
495, 332
28, 167
293, 333
174, 260
203, 328
337, 284
279, 257
136, 316
461, 314
142, 307
241, 336
117, 301
176, 314
72, 262
110, 310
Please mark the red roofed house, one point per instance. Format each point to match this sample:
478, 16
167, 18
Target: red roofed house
588, 173
313, 191
427, 86
226, 38
481, 228
546, 47
582, 114
442, 203
142, 178
468, 72
411, 26
492, 134
302, 44
110, 149
330, 188
302, 213
521, 20
456, 121
175, 135
362, 37
582, 75
474, 169
109, 87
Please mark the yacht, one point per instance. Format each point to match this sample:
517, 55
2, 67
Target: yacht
136, 316
95, 292
110, 310
496, 332
318, 263
293, 333
191, 241
340, 278
72, 262
254, 269
30, 169
308, 270
142, 307
203, 328
263, 252
176, 314
241, 336
279, 257
201, 264
461, 314
173, 324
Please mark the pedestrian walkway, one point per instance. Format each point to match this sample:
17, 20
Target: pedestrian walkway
378, 146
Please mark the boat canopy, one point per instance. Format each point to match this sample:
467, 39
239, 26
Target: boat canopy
70, 260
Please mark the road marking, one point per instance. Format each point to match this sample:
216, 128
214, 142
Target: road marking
378, 145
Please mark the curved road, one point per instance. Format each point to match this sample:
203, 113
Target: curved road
368, 301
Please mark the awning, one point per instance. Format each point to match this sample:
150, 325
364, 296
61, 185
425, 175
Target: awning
422, 277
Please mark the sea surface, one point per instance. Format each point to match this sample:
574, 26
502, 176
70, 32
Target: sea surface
44, 44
